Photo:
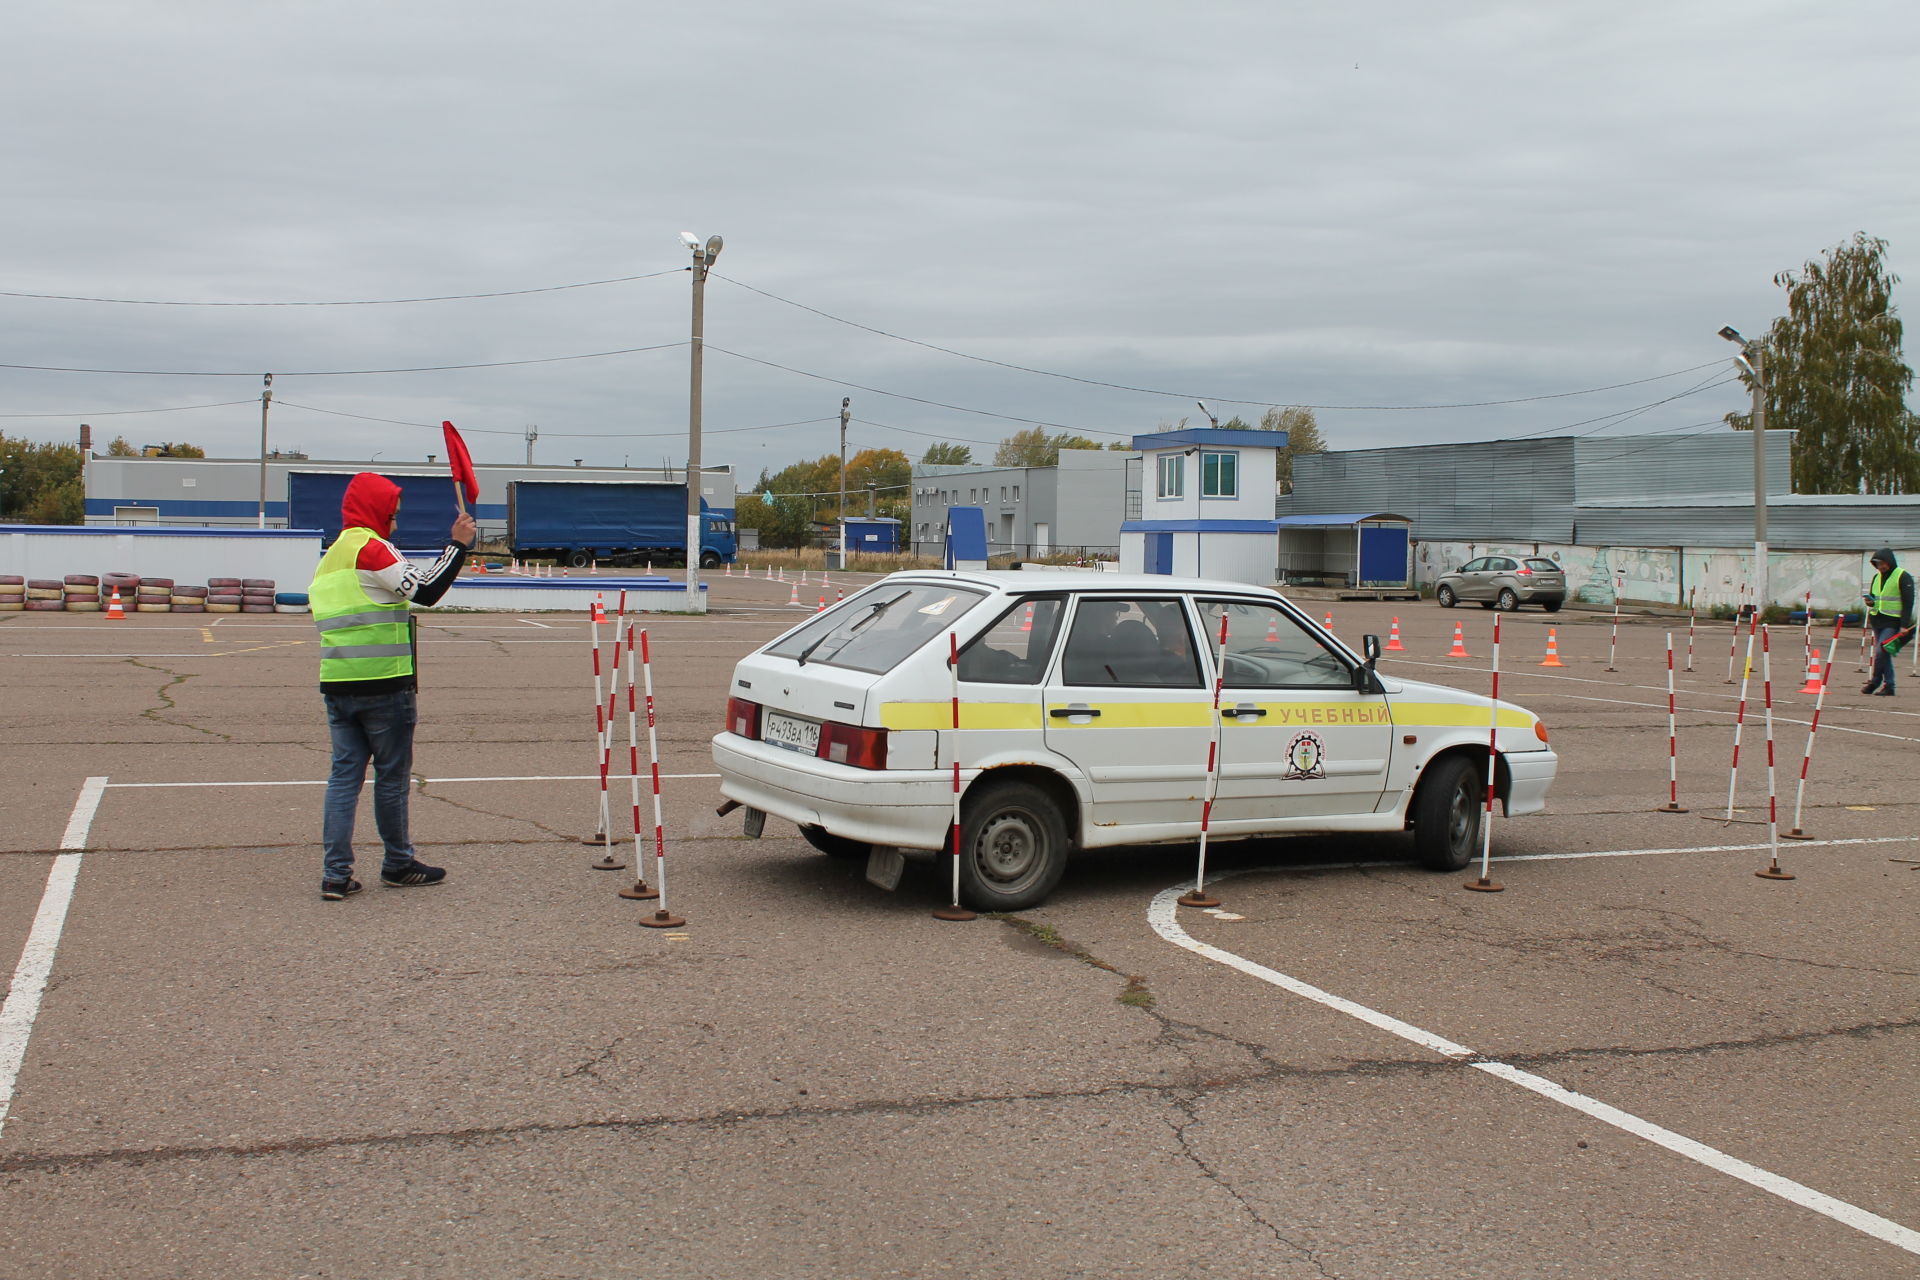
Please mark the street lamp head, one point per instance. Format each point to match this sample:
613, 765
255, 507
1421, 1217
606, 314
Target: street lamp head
689, 239
713, 247
1732, 334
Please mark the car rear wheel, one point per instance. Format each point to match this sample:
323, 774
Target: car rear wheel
1507, 601
1445, 596
580, 559
835, 846
1013, 847
1551, 606
1447, 812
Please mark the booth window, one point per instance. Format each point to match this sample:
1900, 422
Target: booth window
1219, 475
1173, 475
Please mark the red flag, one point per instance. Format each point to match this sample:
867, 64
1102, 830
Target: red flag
461, 462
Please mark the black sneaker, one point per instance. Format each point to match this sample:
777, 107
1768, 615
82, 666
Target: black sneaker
1883, 693
334, 890
417, 872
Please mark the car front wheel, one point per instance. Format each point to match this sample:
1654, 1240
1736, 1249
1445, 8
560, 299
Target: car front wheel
1013, 847
1445, 596
1447, 813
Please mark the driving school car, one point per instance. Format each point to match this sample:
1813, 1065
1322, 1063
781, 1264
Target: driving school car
1085, 708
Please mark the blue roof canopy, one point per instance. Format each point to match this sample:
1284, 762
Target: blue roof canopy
1209, 438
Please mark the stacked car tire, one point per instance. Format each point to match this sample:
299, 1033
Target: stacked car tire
46, 595
13, 593
82, 593
185, 599
224, 595
256, 595
291, 602
153, 595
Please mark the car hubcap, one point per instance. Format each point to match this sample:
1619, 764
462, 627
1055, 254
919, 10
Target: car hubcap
1460, 829
1008, 847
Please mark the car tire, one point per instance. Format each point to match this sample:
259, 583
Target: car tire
1551, 606
1506, 601
1447, 812
579, 559
834, 846
1013, 847
1445, 598
709, 559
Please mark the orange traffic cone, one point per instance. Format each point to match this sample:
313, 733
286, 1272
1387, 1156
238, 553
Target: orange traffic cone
599, 609
1459, 649
1553, 649
1813, 669
793, 593
1329, 622
729, 568
803, 577
838, 596
1273, 630
1393, 637
822, 606
114, 611
1026, 623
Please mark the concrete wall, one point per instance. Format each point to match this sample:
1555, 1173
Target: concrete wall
185, 555
1666, 575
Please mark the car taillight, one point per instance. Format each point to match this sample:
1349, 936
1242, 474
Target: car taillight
851, 745
743, 717
1523, 572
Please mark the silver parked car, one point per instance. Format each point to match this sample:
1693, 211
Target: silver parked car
1504, 582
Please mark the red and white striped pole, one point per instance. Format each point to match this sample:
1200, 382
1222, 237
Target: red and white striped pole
1739, 722
1806, 759
1806, 633
1866, 633
610, 860
1486, 883
639, 889
1613, 642
1733, 647
1673, 742
603, 832
1199, 897
953, 910
661, 918
1772, 870
1692, 615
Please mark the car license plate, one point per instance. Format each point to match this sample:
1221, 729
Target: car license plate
791, 733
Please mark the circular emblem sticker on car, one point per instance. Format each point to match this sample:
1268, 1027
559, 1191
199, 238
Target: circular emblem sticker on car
1306, 757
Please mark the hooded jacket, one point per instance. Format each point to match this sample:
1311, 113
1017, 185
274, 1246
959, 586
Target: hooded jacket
385, 575
1893, 574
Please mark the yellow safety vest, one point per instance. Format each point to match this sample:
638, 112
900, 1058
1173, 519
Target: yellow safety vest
360, 638
1885, 592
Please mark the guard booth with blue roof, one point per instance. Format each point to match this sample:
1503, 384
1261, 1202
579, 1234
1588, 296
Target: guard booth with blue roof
872, 535
1365, 555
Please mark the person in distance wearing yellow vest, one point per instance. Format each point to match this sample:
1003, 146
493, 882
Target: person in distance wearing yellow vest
362, 599
1889, 598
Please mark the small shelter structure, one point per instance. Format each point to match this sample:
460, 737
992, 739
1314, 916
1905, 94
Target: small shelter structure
1364, 555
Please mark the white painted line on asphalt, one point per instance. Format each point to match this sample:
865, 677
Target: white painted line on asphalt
43, 939
321, 782
543, 625
1162, 916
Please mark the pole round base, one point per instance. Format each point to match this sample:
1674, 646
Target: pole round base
662, 920
1795, 834
639, 892
1197, 898
1485, 886
598, 839
953, 913
1670, 807
610, 861
1773, 873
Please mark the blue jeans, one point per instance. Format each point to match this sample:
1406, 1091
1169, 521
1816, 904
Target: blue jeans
376, 727
1882, 660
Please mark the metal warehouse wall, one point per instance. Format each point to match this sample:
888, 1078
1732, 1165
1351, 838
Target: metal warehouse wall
1795, 522
1528, 490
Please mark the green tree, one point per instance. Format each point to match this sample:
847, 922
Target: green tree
1035, 448
948, 455
40, 483
1303, 437
119, 448
1834, 374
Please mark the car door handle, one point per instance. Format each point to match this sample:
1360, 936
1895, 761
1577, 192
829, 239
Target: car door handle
1061, 713
1246, 711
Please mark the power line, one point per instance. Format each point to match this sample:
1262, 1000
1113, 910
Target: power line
359, 302
1183, 395
344, 373
112, 413
544, 435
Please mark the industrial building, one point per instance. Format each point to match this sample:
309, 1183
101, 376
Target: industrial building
215, 492
1076, 506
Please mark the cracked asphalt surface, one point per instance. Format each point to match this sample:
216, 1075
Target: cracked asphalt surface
505, 1076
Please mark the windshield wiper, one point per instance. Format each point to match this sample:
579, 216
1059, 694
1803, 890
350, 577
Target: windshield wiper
874, 611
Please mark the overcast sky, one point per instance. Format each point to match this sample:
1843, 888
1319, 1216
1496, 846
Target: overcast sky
1370, 204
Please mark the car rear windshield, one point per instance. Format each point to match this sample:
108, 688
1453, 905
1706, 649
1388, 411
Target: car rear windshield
1540, 564
878, 628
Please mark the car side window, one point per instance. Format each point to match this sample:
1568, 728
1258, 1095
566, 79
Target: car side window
1268, 649
1474, 566
1131, 644
1504, 565
1015, 649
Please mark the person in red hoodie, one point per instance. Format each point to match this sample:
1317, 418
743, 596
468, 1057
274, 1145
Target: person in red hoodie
362, 598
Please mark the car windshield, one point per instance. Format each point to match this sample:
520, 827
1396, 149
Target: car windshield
875, 630
1540, 564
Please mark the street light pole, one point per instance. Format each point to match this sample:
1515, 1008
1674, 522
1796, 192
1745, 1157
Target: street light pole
266, 399
845, 402
703, 256
1752, 357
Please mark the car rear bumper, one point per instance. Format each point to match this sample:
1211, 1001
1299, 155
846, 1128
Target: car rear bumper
909, 809
1531, 773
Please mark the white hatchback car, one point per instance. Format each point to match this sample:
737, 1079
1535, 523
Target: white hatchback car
1085, 704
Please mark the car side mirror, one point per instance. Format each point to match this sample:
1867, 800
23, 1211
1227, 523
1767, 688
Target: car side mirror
1364, 678
1370, 649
